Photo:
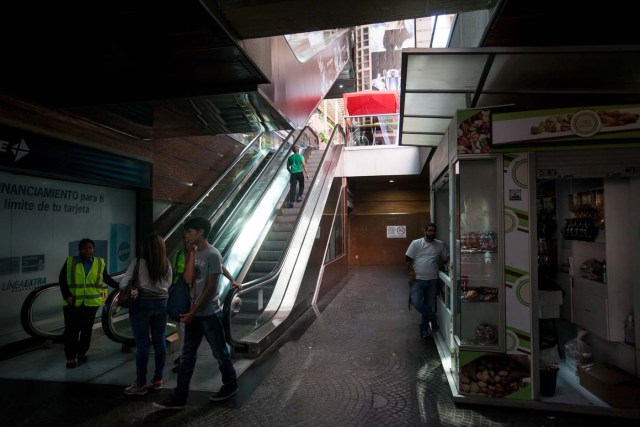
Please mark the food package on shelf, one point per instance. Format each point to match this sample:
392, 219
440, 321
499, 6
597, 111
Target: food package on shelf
577, 353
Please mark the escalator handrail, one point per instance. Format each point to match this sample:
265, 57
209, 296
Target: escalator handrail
107, 323
257, 283
275, 166
26, 318
254, 283
255, 182
224, 204
271, 181
212, 186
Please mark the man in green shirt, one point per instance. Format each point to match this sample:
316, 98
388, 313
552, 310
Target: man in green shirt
296, 166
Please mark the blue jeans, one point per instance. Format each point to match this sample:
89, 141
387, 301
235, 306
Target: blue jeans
211, 328
149, 316
423, 296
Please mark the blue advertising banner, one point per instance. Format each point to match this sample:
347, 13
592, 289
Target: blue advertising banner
26, 151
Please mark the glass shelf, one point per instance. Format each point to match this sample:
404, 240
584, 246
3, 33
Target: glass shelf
479, 266
479, 295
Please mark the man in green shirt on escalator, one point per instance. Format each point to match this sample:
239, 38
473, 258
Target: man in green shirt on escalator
296, 166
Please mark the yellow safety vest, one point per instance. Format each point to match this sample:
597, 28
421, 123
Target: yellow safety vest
177, 265
86, 289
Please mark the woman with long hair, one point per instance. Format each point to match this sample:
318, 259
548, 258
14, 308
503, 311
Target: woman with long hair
148, 315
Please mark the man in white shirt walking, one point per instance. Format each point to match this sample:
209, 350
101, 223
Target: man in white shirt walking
424, 257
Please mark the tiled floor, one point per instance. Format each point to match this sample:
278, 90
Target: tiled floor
356, 360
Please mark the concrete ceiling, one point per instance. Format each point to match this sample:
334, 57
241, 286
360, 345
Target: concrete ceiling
181, 64
262, 18
155, 70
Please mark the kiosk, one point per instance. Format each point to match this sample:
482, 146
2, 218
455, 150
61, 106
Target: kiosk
542, 209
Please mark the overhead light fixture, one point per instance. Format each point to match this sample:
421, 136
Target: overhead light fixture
391, 180
341, 86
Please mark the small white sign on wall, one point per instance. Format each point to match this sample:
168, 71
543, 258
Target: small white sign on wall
396, 231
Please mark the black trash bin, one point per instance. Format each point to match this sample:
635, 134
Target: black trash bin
548, 379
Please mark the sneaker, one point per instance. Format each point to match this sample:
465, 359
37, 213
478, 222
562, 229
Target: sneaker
156, 385
71, 364
170, 402
290, 205
299, 199
225, 392
82, 358
424, 333
137, 390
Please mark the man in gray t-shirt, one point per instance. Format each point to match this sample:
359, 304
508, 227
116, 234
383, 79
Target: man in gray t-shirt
207, 262
202, 269
424, 257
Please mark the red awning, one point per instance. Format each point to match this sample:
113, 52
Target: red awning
370, 102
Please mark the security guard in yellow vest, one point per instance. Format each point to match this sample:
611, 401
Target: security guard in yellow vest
81, 279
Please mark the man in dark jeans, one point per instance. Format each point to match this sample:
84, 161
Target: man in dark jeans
424, 256
203, 266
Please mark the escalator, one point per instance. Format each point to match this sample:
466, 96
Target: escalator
245, 226
244, 235
244, 192
41, 315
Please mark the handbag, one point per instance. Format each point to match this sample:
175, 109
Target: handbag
179, 301
127, 296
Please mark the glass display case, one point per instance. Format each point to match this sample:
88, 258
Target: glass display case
440, 210
479, 271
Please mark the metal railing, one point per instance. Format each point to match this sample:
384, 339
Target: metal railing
380, 129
